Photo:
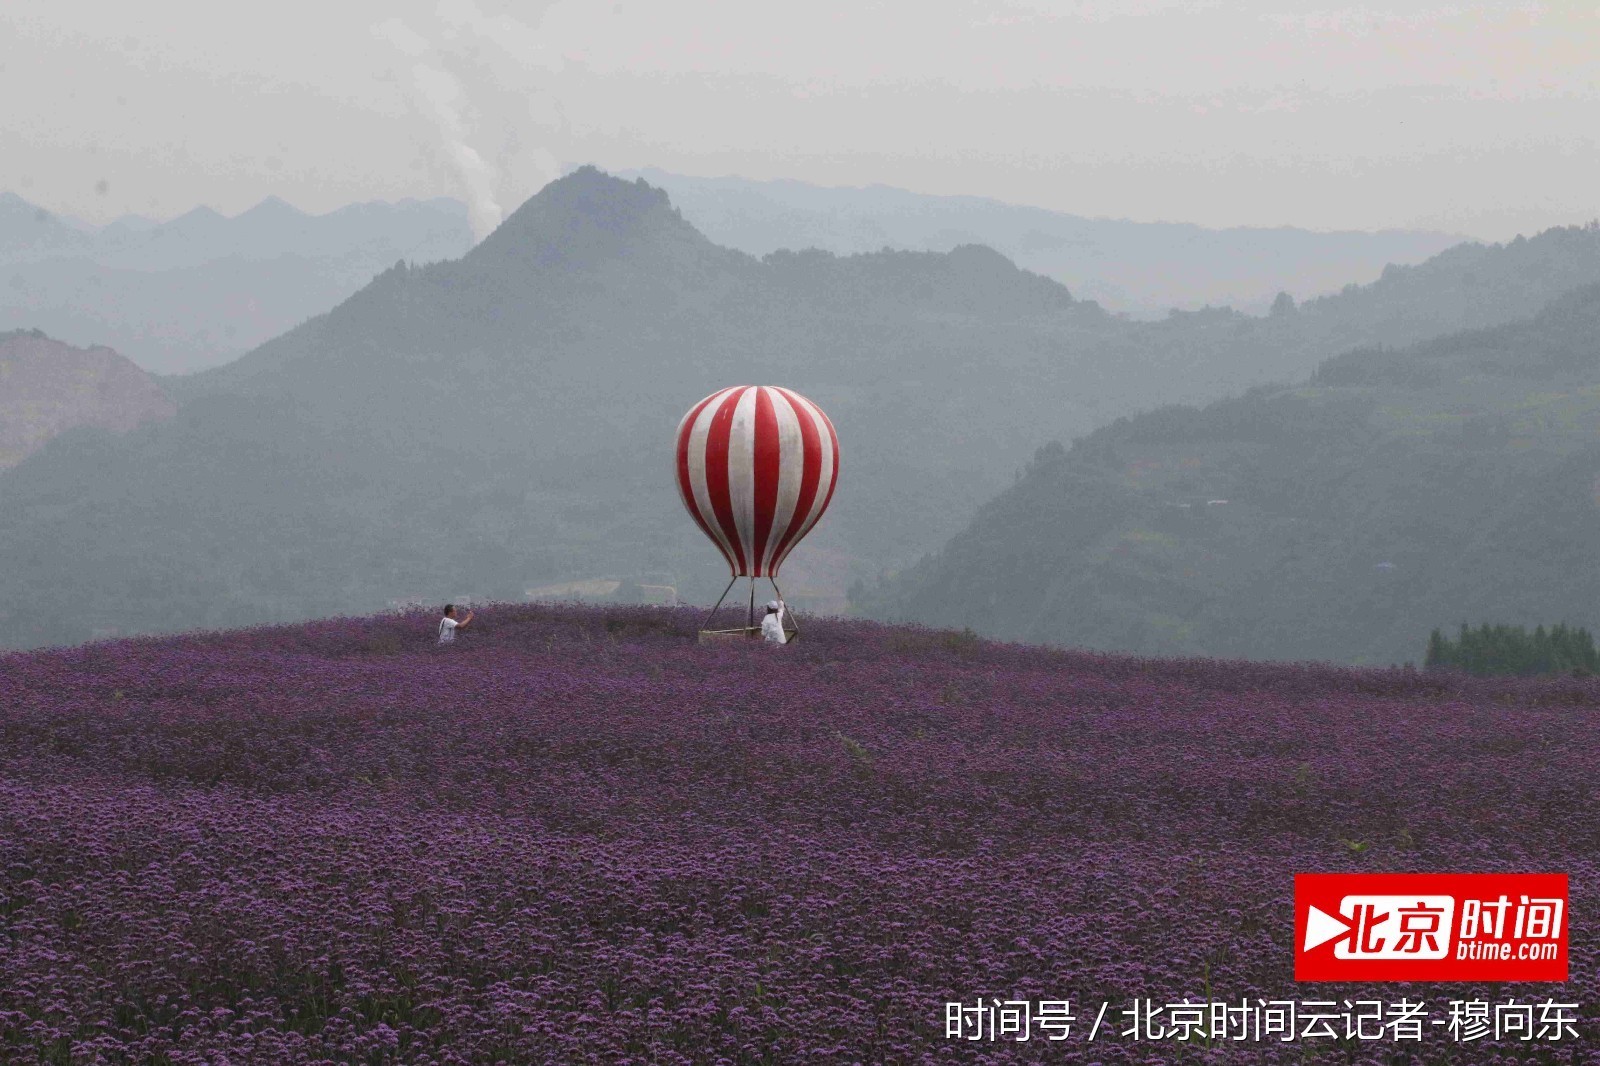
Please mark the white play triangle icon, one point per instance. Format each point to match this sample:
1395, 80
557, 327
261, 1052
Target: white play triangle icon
1322, 927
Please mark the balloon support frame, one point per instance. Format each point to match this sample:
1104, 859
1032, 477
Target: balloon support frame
749, 631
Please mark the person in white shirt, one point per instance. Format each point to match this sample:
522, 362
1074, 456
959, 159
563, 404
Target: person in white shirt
448, 624
772, 625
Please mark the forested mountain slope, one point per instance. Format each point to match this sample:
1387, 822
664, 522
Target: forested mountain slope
1399, 490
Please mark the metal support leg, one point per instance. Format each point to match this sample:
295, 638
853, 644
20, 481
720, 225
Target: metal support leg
752, 603
787, 613
720, 598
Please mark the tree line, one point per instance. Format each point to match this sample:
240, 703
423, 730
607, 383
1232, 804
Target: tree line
1501, 650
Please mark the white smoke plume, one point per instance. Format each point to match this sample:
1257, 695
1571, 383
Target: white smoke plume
484, 86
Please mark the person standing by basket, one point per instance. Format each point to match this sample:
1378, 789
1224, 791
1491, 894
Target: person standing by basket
772, 624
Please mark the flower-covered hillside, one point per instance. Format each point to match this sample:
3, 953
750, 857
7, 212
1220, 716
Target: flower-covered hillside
578, 836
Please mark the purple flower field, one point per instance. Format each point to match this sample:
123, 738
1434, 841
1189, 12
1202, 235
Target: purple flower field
579, 837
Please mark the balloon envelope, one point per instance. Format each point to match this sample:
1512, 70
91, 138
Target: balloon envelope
756, 467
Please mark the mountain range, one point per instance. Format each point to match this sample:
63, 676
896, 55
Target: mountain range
1144, 269
488, 424
1454, 480
202, 289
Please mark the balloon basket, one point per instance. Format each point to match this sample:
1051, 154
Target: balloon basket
749, 631
713, 636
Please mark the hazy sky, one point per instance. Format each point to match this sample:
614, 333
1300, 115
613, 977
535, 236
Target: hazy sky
1477, 118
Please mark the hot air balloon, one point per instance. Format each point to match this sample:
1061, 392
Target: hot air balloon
756, 466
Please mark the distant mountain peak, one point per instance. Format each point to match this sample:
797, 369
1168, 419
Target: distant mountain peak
587, 215
199, 217
273, 206
981, 256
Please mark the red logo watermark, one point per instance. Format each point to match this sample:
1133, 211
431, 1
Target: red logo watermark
1430, 927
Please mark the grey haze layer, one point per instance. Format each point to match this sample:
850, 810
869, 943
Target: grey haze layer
202, 289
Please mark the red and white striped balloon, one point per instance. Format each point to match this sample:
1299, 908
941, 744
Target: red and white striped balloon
756, 468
